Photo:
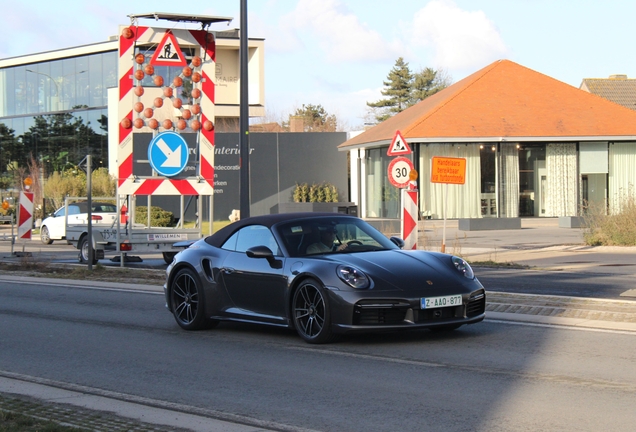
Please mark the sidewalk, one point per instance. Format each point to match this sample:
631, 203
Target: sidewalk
540, 243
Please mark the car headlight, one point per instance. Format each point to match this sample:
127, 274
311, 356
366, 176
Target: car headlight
353, 277
463, 267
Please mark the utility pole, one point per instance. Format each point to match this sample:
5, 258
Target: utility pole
244, 139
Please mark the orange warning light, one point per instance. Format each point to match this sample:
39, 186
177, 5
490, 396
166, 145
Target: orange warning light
127, 33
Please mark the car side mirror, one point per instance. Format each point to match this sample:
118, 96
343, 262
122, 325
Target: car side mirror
398, 242
264, 252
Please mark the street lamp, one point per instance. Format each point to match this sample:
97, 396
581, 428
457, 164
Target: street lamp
57, 85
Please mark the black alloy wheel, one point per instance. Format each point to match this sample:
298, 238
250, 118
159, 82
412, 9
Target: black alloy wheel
45, 237
187, 302
310, 308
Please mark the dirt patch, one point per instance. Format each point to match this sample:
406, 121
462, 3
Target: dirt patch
99, 273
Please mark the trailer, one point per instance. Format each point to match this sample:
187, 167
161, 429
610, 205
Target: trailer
123, 236
163, 113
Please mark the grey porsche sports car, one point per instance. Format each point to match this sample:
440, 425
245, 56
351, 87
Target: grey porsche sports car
322, 275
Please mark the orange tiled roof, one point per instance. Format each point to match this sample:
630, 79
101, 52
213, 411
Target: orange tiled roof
504, 99
617, 88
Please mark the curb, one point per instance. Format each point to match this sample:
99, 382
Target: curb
588, 313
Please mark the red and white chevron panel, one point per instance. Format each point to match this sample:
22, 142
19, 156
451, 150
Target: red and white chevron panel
25, 215
199, 117
409, 218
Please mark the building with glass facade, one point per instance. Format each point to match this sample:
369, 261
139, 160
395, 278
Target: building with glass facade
534, 147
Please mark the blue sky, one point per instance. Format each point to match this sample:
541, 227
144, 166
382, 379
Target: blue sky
337, 53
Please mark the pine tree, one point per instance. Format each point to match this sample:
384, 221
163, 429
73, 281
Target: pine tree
426, 83
404, 89
397, 88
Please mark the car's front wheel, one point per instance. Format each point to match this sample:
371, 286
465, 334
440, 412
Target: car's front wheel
83, 252
312, 317
45, 236
187, 301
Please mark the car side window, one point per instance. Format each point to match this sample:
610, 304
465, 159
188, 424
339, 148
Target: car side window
250, 236
230, 244
73, 210
59, 212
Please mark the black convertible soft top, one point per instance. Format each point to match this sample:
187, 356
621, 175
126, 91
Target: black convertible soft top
218, 238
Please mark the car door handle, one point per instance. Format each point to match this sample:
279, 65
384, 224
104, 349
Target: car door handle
227, 270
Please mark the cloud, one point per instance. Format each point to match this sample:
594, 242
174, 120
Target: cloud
460, 39
339, 32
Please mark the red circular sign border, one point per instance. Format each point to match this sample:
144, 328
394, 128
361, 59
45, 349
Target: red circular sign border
392, 164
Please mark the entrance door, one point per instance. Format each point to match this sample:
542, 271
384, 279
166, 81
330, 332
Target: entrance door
541, 187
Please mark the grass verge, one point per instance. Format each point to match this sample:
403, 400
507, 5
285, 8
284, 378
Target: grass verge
15, 422
33, 268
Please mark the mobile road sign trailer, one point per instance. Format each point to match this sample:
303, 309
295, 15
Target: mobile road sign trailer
166, 90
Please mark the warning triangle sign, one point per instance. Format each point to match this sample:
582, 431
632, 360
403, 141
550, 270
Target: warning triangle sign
398, 146
168, 52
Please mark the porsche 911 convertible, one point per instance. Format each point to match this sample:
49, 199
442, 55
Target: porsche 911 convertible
322, 275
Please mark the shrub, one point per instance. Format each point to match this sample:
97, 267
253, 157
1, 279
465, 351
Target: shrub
324, 192
611, 230
158, 216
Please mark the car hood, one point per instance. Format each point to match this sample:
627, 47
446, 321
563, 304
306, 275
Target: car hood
404, 270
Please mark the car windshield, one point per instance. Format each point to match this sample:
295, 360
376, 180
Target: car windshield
104, 208
327, 235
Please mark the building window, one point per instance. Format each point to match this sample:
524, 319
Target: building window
382, 198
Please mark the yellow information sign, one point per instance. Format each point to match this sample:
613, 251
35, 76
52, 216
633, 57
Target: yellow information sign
448, 170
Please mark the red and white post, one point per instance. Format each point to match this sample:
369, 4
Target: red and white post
409, 217
25, 215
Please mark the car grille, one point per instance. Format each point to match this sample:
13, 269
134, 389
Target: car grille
476, 304
386, 312
436, 314
395, 312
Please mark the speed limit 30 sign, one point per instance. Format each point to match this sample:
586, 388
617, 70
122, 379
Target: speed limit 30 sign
399, 170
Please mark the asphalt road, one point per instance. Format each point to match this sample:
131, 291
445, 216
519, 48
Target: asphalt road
491, 376
561, 283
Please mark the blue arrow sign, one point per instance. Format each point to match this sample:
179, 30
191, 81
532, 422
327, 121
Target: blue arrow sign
168, 154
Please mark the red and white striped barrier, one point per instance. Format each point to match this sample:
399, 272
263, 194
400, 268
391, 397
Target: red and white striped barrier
25, 215
409, 218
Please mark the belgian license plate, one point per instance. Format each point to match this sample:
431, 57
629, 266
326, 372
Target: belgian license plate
439, 302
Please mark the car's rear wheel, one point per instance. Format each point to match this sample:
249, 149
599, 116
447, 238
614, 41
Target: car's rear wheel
83, 252
45, 236
311, 314
187, 301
